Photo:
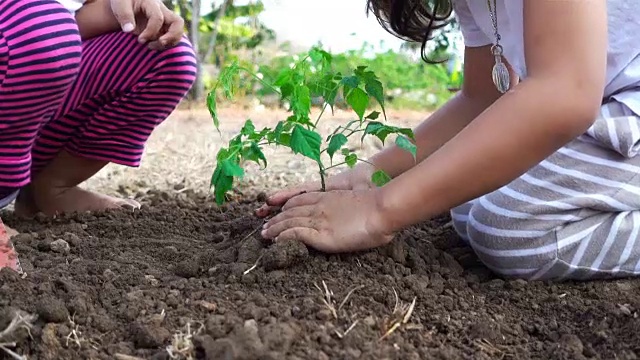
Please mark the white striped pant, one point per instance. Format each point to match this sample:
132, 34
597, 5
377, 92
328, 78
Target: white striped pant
575, 215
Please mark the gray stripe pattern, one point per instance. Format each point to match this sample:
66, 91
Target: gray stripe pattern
576, 215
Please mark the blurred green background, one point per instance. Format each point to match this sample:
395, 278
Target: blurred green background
267, 36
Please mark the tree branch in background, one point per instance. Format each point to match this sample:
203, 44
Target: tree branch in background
214, 33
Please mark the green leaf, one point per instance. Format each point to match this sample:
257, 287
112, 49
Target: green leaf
284, 81
275, 134
336, 142
226, 78
286, 90
321, 56
284, 139
382, 131
289, 124
213, 109
358, 100
345, 151
279, 135
378, 129
406, 132
404, 143
301, 101
284, 77
248, 128
302, 119
221, 184
223, 153
351, 160
350, 82
306, 142
257, 136
254, 153
215, 177
222, 178
374, 89
360, 70
329, 90
373, 116
231, 168
380, 178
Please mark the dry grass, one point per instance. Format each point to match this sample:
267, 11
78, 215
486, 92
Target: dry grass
182, 347
19, 321
399, 317
76, 337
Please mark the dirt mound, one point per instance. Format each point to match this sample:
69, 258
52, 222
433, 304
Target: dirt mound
184, 278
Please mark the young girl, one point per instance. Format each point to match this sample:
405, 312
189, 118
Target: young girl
82, 84
537, 155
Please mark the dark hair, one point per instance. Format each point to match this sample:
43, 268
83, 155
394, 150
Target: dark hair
412, 20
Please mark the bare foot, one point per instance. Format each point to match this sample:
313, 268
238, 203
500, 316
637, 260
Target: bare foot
51, 202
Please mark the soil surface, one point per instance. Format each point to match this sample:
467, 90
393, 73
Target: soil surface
184, 279
176, 280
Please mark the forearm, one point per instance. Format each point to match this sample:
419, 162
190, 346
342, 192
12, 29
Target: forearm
512, 136
432, 134
96, 18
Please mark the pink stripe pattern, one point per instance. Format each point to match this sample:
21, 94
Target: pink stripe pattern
99, 99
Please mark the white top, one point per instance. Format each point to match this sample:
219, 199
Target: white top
72, 5
623, 60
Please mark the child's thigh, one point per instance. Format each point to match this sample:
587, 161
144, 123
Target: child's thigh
577, 182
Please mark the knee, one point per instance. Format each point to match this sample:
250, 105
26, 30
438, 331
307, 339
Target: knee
511, 247
460, 219
180, 62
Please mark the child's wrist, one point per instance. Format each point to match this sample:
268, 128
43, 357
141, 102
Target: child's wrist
385, 212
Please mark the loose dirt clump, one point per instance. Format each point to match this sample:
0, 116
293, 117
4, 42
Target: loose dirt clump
183, 279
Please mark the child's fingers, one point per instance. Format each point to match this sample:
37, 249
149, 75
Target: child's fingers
123, 12
266, 210
155, 21
275, 202
282, 196
278, 199
175, 28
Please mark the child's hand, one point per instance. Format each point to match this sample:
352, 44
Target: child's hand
332, 222
151, 20
357, 178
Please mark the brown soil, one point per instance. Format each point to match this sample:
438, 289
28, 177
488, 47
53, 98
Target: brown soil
129, 285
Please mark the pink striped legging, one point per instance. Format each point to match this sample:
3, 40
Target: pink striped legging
99, 99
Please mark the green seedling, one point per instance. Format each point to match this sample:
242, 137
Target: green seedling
309, 78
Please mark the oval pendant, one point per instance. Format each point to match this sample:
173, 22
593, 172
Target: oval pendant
501, 77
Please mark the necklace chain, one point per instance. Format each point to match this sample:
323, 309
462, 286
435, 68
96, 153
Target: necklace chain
493, 12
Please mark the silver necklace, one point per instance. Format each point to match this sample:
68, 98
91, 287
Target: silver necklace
500, 72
